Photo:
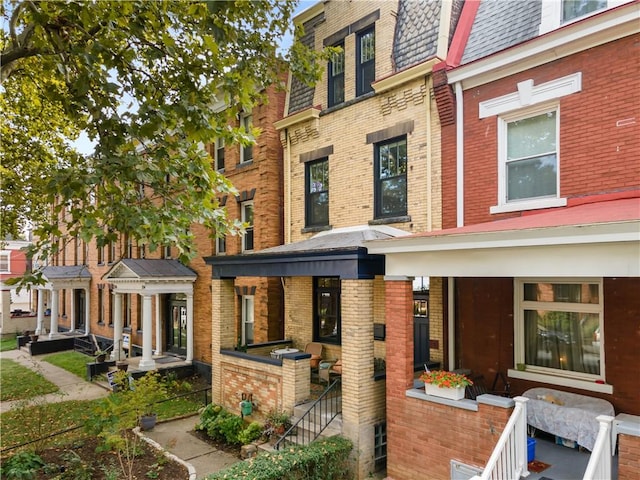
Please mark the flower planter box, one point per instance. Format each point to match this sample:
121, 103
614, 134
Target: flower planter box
450, 393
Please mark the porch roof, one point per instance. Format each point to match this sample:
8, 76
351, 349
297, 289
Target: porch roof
601, 238
131, 275
71, 276
339, 252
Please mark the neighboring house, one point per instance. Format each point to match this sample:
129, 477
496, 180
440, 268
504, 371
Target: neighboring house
150, 303
361, 162
541, 214
13, 263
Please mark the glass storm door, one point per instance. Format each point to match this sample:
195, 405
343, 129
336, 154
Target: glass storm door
177, 327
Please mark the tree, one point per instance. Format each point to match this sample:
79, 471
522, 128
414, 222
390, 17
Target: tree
145, 81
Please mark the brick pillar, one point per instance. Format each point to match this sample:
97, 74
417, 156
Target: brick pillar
223, 330
363, 403
296, 377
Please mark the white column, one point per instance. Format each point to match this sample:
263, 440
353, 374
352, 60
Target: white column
87, 313
40, 318
55, 300
189, 327
73, 310
118, 353
158, 331
147, 362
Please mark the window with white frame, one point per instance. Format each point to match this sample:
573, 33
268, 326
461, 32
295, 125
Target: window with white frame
559, 327
218, 154
247, 320
572, 9
5, 262
555, 13
246, 151
528, 156
221, 245
247, 219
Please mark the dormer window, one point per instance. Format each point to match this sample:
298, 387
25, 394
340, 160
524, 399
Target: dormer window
572, 9
556, 13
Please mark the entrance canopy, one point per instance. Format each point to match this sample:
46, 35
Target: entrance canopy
339, 252
68, 277
151, 276
600, 239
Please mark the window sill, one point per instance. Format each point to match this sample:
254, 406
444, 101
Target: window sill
561, 381
245, 164
387, 220
529, 205
348, 103
319, 228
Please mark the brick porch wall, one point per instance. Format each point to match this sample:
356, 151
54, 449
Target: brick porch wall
628, 457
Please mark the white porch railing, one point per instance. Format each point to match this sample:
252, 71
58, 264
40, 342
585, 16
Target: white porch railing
599, 465
509, 457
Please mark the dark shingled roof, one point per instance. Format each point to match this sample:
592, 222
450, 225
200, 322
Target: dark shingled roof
154, 268
301, 95
500, 24
66, 273
416, 32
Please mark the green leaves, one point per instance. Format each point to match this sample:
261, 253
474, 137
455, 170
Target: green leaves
140, 78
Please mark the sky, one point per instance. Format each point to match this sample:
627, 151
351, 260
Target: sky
85, 146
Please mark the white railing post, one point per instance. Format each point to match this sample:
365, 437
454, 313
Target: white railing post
599, 465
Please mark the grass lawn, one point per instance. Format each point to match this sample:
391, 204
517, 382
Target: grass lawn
19, 382
74, 362
8, 344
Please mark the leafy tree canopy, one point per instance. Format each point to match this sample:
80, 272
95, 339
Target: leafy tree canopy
144, 80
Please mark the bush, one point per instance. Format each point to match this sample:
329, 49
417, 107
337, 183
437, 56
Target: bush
226, 427
22, 465
322, 460
251, 433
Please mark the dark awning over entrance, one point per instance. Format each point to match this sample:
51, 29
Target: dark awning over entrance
336, 253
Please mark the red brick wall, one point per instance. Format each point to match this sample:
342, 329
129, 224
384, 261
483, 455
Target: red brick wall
596, 155
628, 457
265, 388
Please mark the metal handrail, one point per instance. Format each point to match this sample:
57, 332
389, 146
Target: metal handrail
321, 413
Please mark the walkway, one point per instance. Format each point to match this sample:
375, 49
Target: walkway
174, 436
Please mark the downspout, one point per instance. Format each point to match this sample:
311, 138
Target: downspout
429, 157
459, 156
287, 173
451, 340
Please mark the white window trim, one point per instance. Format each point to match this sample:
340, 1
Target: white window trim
218, 252
551, 14
246, 300
567, 378
243, 117
526, 204
243, 219
6, 253
217, 145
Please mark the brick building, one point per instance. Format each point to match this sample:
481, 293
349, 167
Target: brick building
538, 258
148, 301
361, 162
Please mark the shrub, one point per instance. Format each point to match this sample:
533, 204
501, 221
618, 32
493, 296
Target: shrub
322, 460
251, 433
23, 465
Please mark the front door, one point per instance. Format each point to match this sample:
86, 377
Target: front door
177, 325
79, 308
420, 329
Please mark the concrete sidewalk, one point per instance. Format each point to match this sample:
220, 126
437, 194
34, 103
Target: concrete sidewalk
174, 436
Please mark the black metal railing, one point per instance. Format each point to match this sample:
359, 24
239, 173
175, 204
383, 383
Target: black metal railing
316, 419
87, 345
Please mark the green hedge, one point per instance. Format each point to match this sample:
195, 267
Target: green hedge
322, 460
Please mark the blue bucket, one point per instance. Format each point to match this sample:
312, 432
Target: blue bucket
531, 449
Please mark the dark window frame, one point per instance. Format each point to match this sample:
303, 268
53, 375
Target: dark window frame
309, 196
334, 292
336, 81
365, 71
378, 187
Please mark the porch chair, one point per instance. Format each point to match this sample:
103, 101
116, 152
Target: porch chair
480, 388
315, 349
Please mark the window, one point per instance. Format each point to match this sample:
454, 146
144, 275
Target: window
142, 251
111, 252
559, 327
247, 320
126, 305
336, 78
246, 152
317, 193
5, 262
218, 154
247, 219
572, 9
326, 309
166, 251
100, 249
528, 159
221, 245
365, 61
391, 178
101, 303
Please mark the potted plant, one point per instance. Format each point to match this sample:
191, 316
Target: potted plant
277, 422
442, 383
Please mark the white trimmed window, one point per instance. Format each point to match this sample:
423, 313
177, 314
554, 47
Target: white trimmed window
247, 320
5, 262
246, 152
218, 154
556, 13
221, 245
559, 327
247, 219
